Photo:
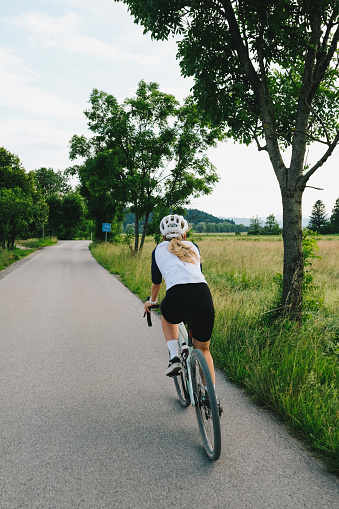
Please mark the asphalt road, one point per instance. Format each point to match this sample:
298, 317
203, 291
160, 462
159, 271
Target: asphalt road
89, 420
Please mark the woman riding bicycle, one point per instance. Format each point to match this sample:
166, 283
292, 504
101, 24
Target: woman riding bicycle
188, 298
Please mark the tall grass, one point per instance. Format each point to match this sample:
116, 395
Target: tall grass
37, 243
289, 369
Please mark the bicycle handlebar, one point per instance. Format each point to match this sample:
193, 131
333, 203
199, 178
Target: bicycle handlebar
148, 315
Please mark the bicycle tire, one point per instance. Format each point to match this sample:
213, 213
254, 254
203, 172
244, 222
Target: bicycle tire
207, 411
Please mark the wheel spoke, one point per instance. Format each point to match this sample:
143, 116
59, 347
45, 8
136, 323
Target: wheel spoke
206, 405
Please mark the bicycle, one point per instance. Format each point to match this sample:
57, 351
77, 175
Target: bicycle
194, 387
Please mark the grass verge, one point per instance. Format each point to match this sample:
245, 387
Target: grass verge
292, 370
7, 257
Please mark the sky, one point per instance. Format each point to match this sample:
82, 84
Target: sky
54, 52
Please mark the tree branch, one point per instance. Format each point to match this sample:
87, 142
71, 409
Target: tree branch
322, 160
317, 188
242, 50
323, 63
260, 148
308, 135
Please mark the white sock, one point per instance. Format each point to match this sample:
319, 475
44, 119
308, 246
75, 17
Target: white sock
172, 346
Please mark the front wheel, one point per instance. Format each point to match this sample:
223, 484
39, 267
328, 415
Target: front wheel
206, 405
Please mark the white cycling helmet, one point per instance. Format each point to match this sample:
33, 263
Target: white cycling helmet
173, 226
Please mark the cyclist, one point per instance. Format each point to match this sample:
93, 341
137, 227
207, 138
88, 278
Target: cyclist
188, 297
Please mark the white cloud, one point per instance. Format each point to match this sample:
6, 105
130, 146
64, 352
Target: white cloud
49, 140
56, 51
106, 7
19, 89
64, 33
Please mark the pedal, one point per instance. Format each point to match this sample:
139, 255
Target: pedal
173, 375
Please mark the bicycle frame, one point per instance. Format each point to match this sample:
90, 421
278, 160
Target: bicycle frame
184, 337
207, 407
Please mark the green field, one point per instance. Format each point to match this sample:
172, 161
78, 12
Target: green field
291, 370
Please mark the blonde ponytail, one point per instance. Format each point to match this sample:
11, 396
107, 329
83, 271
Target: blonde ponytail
183, 252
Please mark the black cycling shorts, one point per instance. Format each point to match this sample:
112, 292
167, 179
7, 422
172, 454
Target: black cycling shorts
190, 303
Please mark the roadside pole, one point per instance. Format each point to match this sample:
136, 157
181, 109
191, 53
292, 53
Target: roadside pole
106, 227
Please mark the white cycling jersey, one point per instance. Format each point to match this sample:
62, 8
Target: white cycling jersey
175, 272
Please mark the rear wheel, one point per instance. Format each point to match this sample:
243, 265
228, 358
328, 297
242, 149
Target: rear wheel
206, 405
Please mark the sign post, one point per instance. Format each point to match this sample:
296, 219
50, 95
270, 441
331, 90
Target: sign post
106, 227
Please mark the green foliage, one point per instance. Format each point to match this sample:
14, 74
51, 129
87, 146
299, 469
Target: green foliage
255, 226
71, 214
310, 250
204, 222
271, 226
255, 46
23, 208
66, 218
101, 185
290, 369
51, 182
197, 219
67, 211
38, 243
200, 227
12, 174
16, 213
267, 73
7, 257
334, 221
146, 154
318, 218
195, 216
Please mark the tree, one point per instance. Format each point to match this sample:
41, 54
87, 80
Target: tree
200, 227
334, 221
16, 214
210, 228
268, 72
51, 182
23, 209
72, 213
40, 213
318, 217
12, 174
101, 187
130, 229
146, 153
54, 203
271, 226
54, 186
255, 226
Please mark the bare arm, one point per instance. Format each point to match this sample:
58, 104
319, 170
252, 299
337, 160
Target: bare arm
154, 294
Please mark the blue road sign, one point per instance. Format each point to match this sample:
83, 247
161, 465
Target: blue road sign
106, 227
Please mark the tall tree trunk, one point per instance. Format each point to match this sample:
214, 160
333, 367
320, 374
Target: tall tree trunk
136, 231
292, 296
144, 232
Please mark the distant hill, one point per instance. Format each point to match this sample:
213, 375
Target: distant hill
207, 222
195, 216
